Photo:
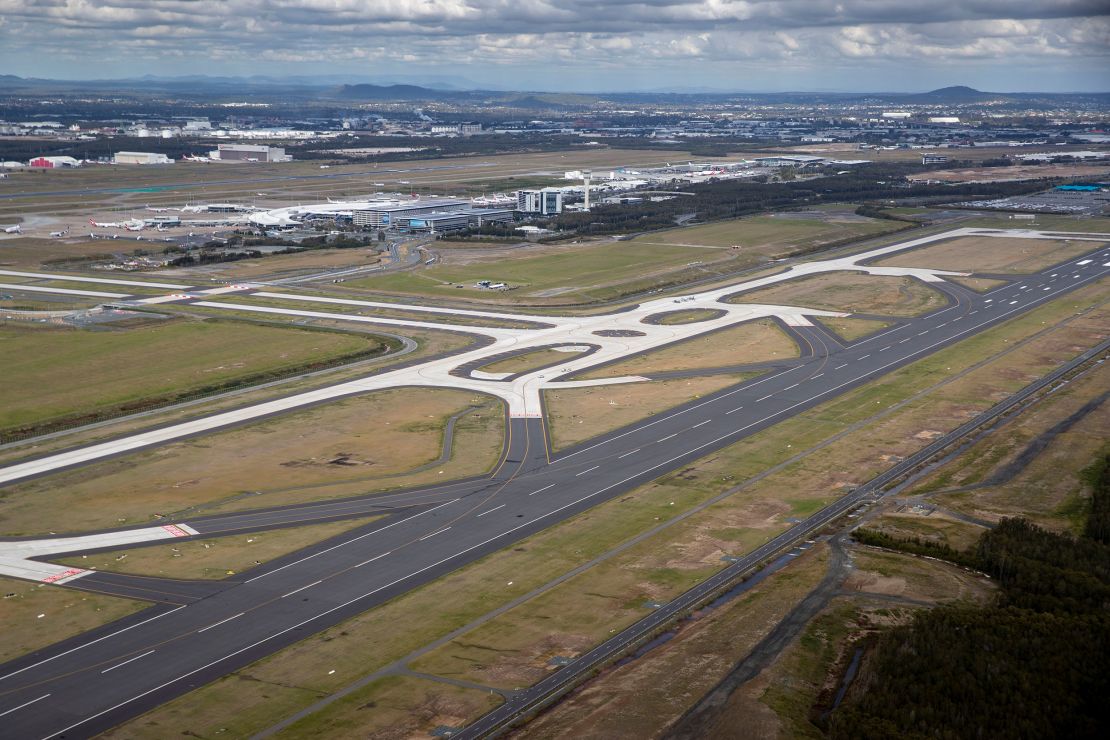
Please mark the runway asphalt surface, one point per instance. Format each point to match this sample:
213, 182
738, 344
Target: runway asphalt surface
92, 682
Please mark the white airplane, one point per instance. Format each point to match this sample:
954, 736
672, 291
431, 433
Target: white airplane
133, 224
59, 234
194, 158
159, 210
17, 229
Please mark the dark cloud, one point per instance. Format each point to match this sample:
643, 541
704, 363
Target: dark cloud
784, 34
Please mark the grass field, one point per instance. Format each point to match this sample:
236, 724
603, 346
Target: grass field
851, 292
276, 265
28, 253
770, 237
754, 341
1051, 489
641, 698
577, 273
992, 254
850, 329
429, 343
351, 446
577, 414
35, 615
217, 557
979, 285
385, 313
403, 706
930, 395
529, 361
688, 316
57, 372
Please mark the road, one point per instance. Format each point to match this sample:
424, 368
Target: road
189, 640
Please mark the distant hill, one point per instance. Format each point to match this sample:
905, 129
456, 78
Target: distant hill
401, 92
955, 94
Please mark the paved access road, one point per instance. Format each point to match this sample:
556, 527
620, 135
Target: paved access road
88, 684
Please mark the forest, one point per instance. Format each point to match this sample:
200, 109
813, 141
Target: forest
1034, 663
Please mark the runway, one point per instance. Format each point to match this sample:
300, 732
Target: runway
95, 681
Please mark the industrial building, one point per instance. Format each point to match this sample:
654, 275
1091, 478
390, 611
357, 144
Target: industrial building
396, 213
249, 153
545, 202
433, 223
50, 163
140, 158
790, 160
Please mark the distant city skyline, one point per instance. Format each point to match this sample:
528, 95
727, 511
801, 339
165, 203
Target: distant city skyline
577, 45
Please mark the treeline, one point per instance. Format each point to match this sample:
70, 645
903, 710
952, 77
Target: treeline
430, 148
1098, 519
714, 201
1035, 663
211, 258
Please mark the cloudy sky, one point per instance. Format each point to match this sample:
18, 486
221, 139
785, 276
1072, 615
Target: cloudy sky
759, 45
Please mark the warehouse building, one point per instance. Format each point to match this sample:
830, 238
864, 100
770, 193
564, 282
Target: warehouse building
249, 153
50, 163
140, 158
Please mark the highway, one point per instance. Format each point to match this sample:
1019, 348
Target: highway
174, 647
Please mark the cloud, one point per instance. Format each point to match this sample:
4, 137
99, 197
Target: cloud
818, 34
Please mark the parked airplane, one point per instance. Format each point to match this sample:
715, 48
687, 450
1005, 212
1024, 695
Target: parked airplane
133, 224
17, 229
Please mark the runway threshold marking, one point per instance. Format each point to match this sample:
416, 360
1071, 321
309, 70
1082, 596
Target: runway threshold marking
24, 704
490, 511
533, 493
217, 624
130, 660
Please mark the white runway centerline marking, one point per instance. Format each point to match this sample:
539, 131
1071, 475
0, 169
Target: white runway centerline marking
533, 493
630, 452
433, 534
764, 398
864, 357
701, 424
490, 511
588, 470
738, 408
217, 624
314, 583
24, 704
131, 660
376, 557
